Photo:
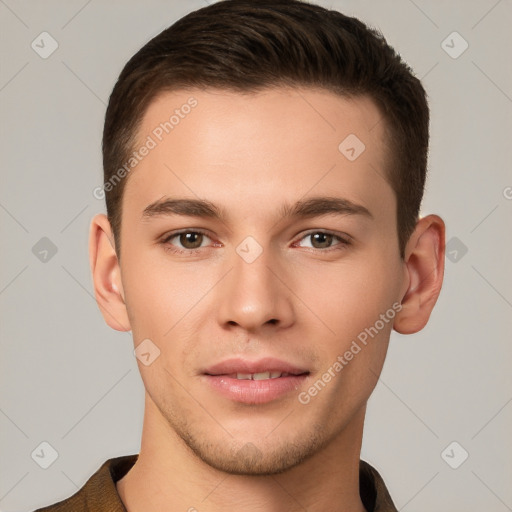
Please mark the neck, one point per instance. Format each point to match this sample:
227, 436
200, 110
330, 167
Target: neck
169, 477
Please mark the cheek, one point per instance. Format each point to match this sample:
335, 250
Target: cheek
144, 301
163, 300
351, 297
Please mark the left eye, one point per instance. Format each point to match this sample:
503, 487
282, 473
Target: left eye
321, 240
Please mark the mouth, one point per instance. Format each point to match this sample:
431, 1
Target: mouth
260, 375
254, 382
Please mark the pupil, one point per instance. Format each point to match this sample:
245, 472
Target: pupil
191, 240
323, 239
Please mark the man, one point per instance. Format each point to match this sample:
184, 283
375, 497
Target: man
264, 167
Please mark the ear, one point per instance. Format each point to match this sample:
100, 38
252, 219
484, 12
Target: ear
106, 274
424, 261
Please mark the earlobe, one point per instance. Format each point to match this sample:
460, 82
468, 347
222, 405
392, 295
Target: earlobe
424, 260
106, 274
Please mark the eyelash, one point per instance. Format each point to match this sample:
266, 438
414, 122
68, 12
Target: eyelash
343, 242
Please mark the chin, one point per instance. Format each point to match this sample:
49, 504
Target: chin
261, 457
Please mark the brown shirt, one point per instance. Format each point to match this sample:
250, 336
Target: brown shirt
99, 494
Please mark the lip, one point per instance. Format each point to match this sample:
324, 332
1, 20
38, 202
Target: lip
220, 378
266, 364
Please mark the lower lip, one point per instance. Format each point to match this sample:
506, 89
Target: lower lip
255, 391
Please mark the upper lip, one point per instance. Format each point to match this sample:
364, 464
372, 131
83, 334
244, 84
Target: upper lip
266, 364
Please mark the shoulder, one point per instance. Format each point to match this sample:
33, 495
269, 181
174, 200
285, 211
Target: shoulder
99, 493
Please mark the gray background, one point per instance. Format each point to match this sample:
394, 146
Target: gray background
69, 380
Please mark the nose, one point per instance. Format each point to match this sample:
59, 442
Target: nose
255, 295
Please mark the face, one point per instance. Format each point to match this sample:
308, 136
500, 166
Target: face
260, 256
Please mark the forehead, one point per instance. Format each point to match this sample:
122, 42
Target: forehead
298, 109
276, 144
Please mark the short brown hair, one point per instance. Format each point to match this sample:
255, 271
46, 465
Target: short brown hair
249, 45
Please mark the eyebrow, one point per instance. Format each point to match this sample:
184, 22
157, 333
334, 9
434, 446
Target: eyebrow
189, 207
202, 208
322, 206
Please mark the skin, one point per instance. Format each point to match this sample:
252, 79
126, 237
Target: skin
303, 300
